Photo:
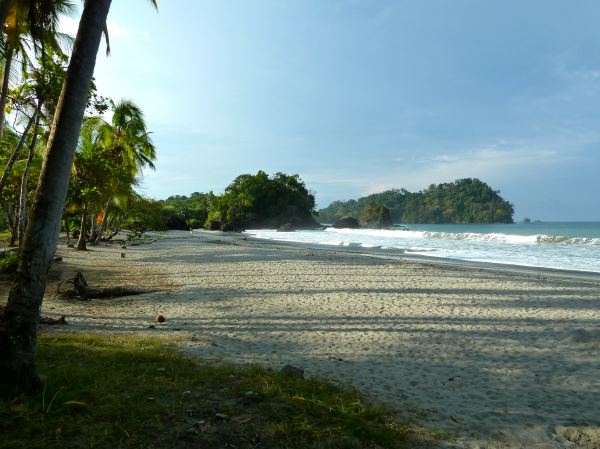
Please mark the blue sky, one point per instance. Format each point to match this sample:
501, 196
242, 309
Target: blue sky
361, 96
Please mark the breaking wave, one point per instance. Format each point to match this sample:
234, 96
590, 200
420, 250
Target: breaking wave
473, 236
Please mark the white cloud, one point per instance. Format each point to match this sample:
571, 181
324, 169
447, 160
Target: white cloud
491, 164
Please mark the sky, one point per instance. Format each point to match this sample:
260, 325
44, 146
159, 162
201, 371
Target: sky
361, 96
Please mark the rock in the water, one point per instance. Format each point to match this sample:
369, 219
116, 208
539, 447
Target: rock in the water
160, 319
347, 222
293, 371
376, 216
57, 259
288, 227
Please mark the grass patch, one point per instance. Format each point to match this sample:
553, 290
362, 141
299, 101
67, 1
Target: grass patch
124, 392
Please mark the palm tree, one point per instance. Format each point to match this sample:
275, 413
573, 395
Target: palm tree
29, 24
18, 324
128, 145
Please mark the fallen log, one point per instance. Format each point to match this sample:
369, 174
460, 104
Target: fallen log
49, 320
83, 290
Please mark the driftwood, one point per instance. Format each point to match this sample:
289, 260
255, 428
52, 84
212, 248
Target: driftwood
83, 290
49, 320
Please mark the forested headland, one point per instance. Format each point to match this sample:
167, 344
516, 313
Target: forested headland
463, 201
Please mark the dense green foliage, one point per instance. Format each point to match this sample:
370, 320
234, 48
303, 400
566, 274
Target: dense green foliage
376, 216
462, 201
182, 212
250, 201
263, 201
133, 393
8, 262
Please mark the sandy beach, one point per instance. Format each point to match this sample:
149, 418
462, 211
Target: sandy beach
493, 359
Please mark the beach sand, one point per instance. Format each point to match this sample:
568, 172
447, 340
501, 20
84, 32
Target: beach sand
491, 358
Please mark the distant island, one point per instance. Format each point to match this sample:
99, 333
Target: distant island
466, 200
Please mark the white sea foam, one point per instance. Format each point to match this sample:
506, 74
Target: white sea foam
572, 252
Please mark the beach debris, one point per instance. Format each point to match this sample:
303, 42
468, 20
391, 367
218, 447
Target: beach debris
293, 371
50, 320
160, 319
86, 292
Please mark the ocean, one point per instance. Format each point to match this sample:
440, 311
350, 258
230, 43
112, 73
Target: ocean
564, 246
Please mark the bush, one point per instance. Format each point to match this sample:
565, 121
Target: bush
8, 262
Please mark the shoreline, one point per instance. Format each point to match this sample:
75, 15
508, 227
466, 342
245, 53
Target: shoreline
400, 255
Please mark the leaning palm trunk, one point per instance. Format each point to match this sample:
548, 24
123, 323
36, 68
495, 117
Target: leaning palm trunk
5, 80
100, 230
15, 155
22, 215
18, 324
81, 243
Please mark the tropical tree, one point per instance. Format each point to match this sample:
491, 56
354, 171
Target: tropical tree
108, 161
35, 100
18, 323
129, 148
29, 25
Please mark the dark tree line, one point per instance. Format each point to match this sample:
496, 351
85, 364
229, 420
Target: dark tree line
462, 201
250, 201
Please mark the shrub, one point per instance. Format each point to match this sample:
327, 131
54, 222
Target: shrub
8, 262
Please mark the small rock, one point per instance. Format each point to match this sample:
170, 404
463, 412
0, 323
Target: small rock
293, 371
160, 319
57, 259
151, 326
123, 247
186, 393
221, 416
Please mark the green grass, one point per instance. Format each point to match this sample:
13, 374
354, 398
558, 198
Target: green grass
124, 392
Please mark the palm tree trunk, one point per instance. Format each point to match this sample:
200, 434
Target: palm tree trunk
68, 231
4, 92
14, 228
15, 155
103, 222
22, 215
81, 243
18, 324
